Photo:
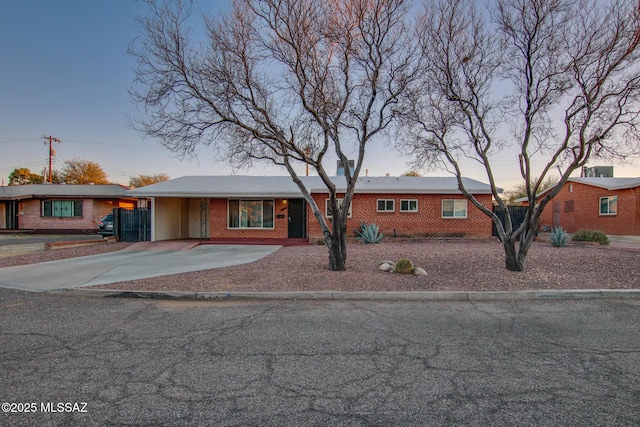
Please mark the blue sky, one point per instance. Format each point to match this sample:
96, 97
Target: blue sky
65, 72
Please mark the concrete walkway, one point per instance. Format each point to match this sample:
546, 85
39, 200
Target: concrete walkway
139, 261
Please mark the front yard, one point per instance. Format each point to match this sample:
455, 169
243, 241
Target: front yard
477, 266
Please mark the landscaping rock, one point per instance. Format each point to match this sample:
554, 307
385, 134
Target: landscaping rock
387, 267
418, 271
391, 263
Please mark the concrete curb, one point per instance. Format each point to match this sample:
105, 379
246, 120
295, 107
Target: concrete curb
362, 296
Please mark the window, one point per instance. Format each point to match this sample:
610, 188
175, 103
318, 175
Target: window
454, 209
609, 205
386, 205
328, 211
251, 213
62, 208
410, 205
568, 206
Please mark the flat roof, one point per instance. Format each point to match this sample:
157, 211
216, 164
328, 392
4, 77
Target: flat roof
608, 183
283, 186
34, 191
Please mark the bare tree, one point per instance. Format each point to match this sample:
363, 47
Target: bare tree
520, 190
557, 81
285, 81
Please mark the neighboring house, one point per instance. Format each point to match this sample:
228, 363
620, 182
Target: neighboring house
611, 205
60, 208
272, 207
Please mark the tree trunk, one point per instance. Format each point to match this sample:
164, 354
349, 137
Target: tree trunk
512, 257
337, 245
336, 257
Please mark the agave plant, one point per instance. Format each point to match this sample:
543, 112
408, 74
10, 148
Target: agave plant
369, 233
558, 237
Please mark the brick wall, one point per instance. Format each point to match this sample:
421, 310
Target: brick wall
578, 206
427, 221
29, 216
219, 229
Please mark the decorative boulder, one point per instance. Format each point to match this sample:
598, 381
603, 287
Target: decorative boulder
391, 263
418, 271
386, 267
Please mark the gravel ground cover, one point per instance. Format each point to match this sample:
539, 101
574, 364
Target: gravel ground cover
474, 266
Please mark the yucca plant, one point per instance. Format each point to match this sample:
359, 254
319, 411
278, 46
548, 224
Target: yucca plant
558, 237
369, 233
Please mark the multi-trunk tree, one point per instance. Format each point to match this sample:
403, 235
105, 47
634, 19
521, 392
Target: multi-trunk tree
555, 82
284, 81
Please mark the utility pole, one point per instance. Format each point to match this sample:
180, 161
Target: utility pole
51, 139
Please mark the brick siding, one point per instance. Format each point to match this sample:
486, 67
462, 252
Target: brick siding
30, 217
578, 206
427, 221
219, 228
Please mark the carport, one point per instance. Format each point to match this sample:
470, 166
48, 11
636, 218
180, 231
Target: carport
174, 218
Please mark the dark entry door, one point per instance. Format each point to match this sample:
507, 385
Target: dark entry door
297, 218
11, 215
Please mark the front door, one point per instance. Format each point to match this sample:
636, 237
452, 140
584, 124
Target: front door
11, 215
297, 218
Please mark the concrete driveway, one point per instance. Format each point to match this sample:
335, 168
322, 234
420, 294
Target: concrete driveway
139, 261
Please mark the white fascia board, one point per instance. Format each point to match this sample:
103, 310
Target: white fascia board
610, 184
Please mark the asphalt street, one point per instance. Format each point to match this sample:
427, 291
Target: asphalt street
103, 361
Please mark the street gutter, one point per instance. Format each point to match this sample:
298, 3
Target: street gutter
362, 296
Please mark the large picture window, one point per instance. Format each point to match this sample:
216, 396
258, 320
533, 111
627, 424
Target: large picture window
62, 208
609, 205
454, 209
251, 213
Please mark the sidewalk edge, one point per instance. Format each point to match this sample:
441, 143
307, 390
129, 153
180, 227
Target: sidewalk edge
365, 296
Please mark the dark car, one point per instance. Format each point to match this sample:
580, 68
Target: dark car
105, 226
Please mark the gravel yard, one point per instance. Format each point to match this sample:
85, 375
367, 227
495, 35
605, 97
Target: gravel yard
472, 266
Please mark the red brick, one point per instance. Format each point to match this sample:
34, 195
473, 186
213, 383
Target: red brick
586, 210
427, 221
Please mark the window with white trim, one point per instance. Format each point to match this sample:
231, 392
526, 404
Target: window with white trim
386, 205
609, 205
409, 205
62, 208
251, 214
329, 212
456, 208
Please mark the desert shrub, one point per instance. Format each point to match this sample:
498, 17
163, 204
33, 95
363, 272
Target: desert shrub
558, 237
369, 233
583, 235
404, 266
